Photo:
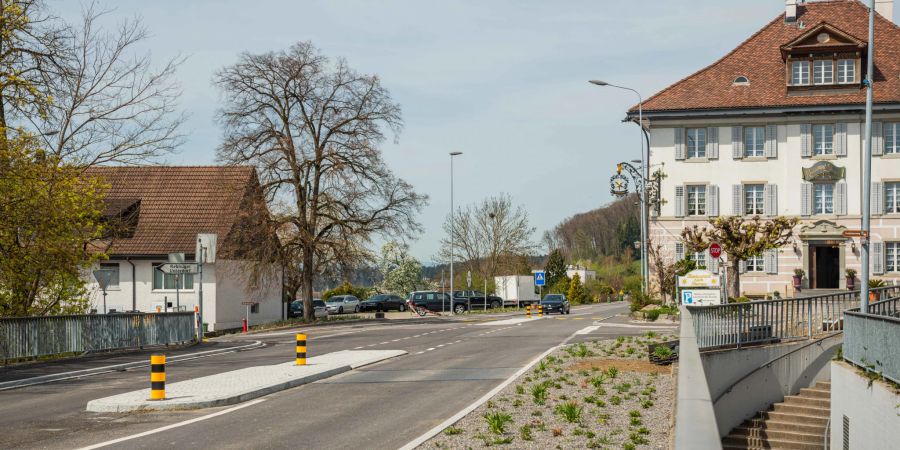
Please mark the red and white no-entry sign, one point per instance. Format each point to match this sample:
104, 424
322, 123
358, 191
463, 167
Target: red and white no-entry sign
715, 250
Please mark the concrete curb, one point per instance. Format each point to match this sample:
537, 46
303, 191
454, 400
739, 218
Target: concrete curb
43, 379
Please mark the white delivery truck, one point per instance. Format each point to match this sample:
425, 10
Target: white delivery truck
516, 290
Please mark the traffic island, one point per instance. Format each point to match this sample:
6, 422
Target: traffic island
238, 386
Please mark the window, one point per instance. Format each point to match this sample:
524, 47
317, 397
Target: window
170, 281
800, 73
754, 141
892, 256
823, 139
823, 199
755, 263
892, 137
823, 71
114, 277
753, 199
696, 200
892, 197
846, 70
699, 259
696, 142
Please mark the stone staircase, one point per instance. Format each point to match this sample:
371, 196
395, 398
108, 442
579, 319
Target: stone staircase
797, 423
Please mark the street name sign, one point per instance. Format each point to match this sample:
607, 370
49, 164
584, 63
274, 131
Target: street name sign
854, 233
539, 279
180, 268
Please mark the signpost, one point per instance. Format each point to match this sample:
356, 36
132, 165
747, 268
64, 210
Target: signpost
103, 276
469, 279
540, 279
180, 268
715, 252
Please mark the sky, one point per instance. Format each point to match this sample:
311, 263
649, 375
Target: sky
503, 82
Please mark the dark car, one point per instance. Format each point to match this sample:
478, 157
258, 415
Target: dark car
383, 302
477, 299
555, 303
296, 309
439, 302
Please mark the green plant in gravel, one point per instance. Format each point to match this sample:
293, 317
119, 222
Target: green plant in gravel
620, 339
582, 351
542, 366
600, 403
615, 400
628, 446
601, 390
590, 399
651, 334
643, 430
578, 432
502, 441
630, 350
622, 387
520, 389
638, 439
648, 391
646, 404
539, 393
451, 431
612, 372
662, 352
636, 422
489, 404
634, 413
525, 433
570, 411
603, 418
517, 403
497, 421
598, 380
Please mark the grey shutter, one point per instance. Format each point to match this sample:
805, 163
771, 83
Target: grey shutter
742, 266
805, 140
806, 199
770, 200
876, 200
737, 200
770, 261
878, 258
840, 139
712, 200
771, 150
712, 142
737, 142
679, 201
679, 251
679, 143
840, 198
877, 138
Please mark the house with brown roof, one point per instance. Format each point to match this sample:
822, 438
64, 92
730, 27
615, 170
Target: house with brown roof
776, 128
154, 211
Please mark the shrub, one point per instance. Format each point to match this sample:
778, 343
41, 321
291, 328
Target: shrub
539, 393
652, 315
569, 411
662, 352
497, 421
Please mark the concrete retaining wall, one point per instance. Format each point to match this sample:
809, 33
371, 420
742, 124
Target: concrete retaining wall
873, 410
695, 420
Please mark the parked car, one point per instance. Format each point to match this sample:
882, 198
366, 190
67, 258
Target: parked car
477, 300
555, 303
383, 302
440, 302
319, 309
340, 304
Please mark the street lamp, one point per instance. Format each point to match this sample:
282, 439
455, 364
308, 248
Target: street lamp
452, 229
645, 174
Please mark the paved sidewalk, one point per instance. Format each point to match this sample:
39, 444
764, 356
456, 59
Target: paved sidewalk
241, 385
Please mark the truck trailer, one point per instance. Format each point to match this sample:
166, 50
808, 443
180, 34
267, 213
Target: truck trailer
516, 290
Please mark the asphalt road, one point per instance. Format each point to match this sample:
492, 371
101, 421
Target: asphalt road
450, 364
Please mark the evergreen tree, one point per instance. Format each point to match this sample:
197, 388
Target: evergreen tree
576, 293
555, 271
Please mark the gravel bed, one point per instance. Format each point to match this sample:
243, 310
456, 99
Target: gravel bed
600, 394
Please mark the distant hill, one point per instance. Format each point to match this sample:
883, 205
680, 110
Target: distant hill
605, 231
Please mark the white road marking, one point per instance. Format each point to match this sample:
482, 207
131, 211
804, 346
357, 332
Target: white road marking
440, 345
174, 425
429, 349
382, 343
588, 330
357, 348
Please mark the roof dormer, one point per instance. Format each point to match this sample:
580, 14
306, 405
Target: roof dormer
823, 58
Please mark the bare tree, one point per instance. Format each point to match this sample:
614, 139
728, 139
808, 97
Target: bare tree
312, 129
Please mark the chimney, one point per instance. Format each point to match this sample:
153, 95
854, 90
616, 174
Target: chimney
790, 11
885, 8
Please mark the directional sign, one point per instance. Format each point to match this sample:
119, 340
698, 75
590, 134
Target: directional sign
180, 268
715, 250
854, 233
539, 279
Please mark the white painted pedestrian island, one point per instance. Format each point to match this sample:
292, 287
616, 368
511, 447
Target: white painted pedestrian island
237, 386
508, 321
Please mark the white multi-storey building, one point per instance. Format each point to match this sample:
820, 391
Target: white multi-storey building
775, 128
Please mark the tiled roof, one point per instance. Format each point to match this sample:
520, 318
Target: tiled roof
759, 58
176, 203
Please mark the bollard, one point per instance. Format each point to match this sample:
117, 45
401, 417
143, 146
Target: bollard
528, 310
157, 377
301, 349
540, 310
244, 320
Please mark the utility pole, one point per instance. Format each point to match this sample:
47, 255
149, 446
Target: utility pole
452, 230
867, 169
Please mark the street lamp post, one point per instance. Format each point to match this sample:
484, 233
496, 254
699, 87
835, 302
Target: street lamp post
867, 170
642, 194
452, 229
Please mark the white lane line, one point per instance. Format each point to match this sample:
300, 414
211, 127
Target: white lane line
174, 425
371, 345
395, 340
457, 342
429, 349
440, 345
588, 330
406, 338
382, 343
357, 348
419, 353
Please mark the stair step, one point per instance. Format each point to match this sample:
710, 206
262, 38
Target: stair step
772, 424
815, 393
766, 433
754, 443
808, 401
823, 385
794, 418
803, 410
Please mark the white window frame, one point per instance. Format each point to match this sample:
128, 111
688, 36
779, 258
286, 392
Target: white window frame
892, 256
823, 140
694, 147
823, 207
823, 71
800, 73
754, 199
113, 283
164, 277
699, 259
755, 263
693, 205
846, 71
890, 132
891, 197
754, 142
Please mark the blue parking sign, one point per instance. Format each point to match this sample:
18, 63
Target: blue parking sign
539, 278
687, 297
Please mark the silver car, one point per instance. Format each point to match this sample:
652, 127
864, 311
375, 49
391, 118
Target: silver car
340, 304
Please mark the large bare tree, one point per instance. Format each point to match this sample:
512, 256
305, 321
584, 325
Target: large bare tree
312, 126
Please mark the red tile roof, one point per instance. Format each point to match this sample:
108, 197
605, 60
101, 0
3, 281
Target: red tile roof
759, 58
176, 203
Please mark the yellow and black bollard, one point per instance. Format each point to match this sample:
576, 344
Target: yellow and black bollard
157, 377
540, 310
301, 349
528, 310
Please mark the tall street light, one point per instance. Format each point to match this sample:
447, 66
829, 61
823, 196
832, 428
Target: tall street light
645, 174
452, 228
867, 169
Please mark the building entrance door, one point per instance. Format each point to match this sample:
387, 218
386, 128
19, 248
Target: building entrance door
824, 267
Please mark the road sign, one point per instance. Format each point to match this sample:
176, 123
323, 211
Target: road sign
249, 303
701, 297
103, 276
715, 250
699, 278
539, 279
180, 268
469, 279
854, 233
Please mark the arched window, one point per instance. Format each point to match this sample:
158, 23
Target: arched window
741, 80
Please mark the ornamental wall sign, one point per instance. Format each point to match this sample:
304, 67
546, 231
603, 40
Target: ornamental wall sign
824, 171
618, 185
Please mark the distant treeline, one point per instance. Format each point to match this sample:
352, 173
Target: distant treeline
605, 231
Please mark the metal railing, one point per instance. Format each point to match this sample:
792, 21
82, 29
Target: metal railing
870, 340
738, 324
29, 337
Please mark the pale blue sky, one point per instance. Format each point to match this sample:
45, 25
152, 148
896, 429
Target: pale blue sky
504, 82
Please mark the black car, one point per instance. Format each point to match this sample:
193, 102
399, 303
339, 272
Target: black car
477, 299
555, 303
296, 309
383, 302
439, 302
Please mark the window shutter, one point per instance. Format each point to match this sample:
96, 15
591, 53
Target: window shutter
770, 200
877, 138
712, 200
712, 142
806, 199
679, 251
840, 198
876, 200
737, 200
878, 258
771, 150
679, 201
770, 261
737, 142
679, 143
805, 140
840, 139
742, 266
